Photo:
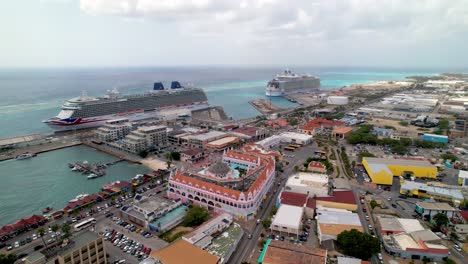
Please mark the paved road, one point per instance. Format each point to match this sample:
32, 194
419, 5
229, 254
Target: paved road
246, 246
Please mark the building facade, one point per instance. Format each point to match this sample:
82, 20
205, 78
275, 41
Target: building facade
146, 138
240, 196
114, 130
88, 248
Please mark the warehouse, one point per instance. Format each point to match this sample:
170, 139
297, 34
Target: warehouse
381, 171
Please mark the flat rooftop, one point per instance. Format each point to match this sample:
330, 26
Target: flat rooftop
288, 216
441, 191
436, 206
296, 135
223, 141
401, 162
208, 135
153, 203
315, 180
338, 217
289, 253
182, 251
221, 245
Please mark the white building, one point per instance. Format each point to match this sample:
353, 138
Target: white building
146, 138
331, 222
202, 236
312, 184
288, 220
270, 142
337, 100
114, 129
299, 138
199, 140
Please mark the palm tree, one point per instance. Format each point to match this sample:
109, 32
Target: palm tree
54, 227
169, 160
41, 232
66, 230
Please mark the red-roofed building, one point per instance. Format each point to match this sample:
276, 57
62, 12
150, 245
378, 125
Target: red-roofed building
341, 132
238, 196
339, 199
319, 125
278, 123
316, 166
250, 133
192, 156
299, 200
464, 215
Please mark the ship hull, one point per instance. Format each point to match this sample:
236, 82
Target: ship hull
273, 93
84, 123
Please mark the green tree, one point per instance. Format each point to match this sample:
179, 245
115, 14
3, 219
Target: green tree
450, 157
175, 155
426, 260
54, 227
440, 219
143, 153
403, 123
292, 121
66, 228
168, 160
8, 259
195, 216
373, 204
358, 244
454, 235
266, 222
41, 232
449, 261
296, 168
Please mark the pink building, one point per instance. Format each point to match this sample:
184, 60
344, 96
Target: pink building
222, 189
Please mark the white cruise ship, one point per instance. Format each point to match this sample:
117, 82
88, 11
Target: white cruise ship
86, 112
289, 83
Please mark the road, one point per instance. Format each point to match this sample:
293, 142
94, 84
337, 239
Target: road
246, 246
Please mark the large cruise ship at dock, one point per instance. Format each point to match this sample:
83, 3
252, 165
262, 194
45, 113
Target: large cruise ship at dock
87, 112
289, 83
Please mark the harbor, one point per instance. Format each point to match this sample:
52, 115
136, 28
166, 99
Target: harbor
265, 107
93, 170
46, 180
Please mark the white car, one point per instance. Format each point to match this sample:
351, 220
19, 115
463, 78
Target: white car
34, 237
17, 244
457, 247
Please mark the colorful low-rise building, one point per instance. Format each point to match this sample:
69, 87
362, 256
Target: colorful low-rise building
381, 170
319, 125
283, 252
316, 166
221, 188
339, 200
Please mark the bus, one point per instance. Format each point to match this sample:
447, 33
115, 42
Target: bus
295, 145
289, 149
85, 224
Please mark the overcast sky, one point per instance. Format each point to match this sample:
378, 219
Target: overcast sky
389, 33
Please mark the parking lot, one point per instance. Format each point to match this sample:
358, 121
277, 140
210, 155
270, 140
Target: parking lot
127, 241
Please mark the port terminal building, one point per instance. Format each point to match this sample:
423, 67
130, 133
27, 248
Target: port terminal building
381, 170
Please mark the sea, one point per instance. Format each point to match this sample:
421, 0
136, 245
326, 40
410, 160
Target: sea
28, 96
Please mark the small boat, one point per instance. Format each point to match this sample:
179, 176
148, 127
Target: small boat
79, 197
46, 210
92, 176
26, 155
74, 168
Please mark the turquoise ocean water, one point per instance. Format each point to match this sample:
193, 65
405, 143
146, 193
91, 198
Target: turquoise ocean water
29, 96
30, 185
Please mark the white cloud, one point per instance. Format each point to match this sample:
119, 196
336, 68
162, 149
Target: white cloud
334, 17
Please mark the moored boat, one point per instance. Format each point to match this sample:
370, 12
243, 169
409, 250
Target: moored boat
92, 176
26, 155
46, 210
79, 197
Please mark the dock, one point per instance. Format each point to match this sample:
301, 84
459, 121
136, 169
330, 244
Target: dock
96, 168
264, 107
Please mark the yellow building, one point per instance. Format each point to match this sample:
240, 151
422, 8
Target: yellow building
381, 171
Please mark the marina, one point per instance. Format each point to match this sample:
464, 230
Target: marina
51, 183
94, 170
